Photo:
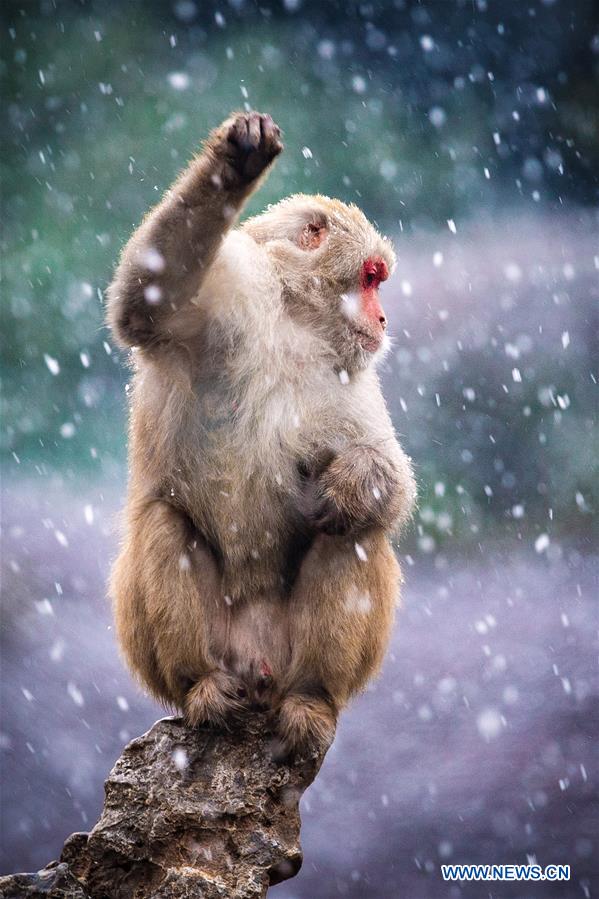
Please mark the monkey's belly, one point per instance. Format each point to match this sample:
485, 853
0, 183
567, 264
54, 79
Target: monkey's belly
259, 547
258, 650
255, 639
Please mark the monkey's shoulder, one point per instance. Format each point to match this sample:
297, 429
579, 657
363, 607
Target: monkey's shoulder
241, 285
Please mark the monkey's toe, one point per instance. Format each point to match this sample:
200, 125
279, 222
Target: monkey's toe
306, 724
214, 699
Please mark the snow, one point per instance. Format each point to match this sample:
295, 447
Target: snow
153, 294
542, 543
153, 260
437, 116
75, 694
180, 759
52, 364
61, 538
388, 169
489, 723
361, 552
179, 81
67, 430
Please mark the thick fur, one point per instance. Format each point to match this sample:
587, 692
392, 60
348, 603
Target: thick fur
265, 475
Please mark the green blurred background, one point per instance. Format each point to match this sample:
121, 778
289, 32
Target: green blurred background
477, 113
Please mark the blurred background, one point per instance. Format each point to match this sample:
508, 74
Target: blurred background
469, 131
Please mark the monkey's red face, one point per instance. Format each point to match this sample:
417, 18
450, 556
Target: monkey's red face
369, 322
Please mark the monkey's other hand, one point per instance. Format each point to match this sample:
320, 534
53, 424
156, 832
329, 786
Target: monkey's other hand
250, 142
360, 488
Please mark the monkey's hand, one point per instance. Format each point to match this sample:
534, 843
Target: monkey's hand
243, 147
360, 488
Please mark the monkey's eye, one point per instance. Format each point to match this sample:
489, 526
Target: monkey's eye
373, 272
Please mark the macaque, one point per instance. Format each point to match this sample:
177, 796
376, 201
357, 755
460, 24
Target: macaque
265, 476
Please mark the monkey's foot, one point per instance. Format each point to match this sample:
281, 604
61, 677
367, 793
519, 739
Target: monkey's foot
306, 723
214, 699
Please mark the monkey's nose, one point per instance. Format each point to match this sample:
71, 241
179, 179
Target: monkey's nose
383, 322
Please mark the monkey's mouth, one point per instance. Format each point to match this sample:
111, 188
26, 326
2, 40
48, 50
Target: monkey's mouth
369, 342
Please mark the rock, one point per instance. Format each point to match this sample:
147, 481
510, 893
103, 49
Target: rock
188, 813
54, 881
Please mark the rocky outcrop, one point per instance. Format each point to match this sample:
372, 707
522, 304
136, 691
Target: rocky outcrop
188, 813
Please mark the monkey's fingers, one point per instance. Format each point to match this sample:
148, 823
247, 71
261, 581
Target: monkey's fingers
329, 519
333, 525
271, 134
253, 142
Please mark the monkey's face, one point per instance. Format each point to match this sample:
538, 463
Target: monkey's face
355, 262
362, 310
331, 262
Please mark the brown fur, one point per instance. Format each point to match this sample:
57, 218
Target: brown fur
265, 475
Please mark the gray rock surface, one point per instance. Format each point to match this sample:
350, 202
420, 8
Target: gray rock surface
199, 813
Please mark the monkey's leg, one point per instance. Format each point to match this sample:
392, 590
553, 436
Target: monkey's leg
162, 266
170, 614
341, 611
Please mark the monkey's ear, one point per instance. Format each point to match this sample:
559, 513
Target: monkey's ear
312, 235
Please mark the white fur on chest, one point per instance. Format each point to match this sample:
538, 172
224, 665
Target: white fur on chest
280, 390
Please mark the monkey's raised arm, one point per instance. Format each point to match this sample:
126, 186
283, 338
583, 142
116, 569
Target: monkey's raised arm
164, 262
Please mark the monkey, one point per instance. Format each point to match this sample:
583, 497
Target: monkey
266, 480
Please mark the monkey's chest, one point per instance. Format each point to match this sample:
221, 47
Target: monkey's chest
251, 442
